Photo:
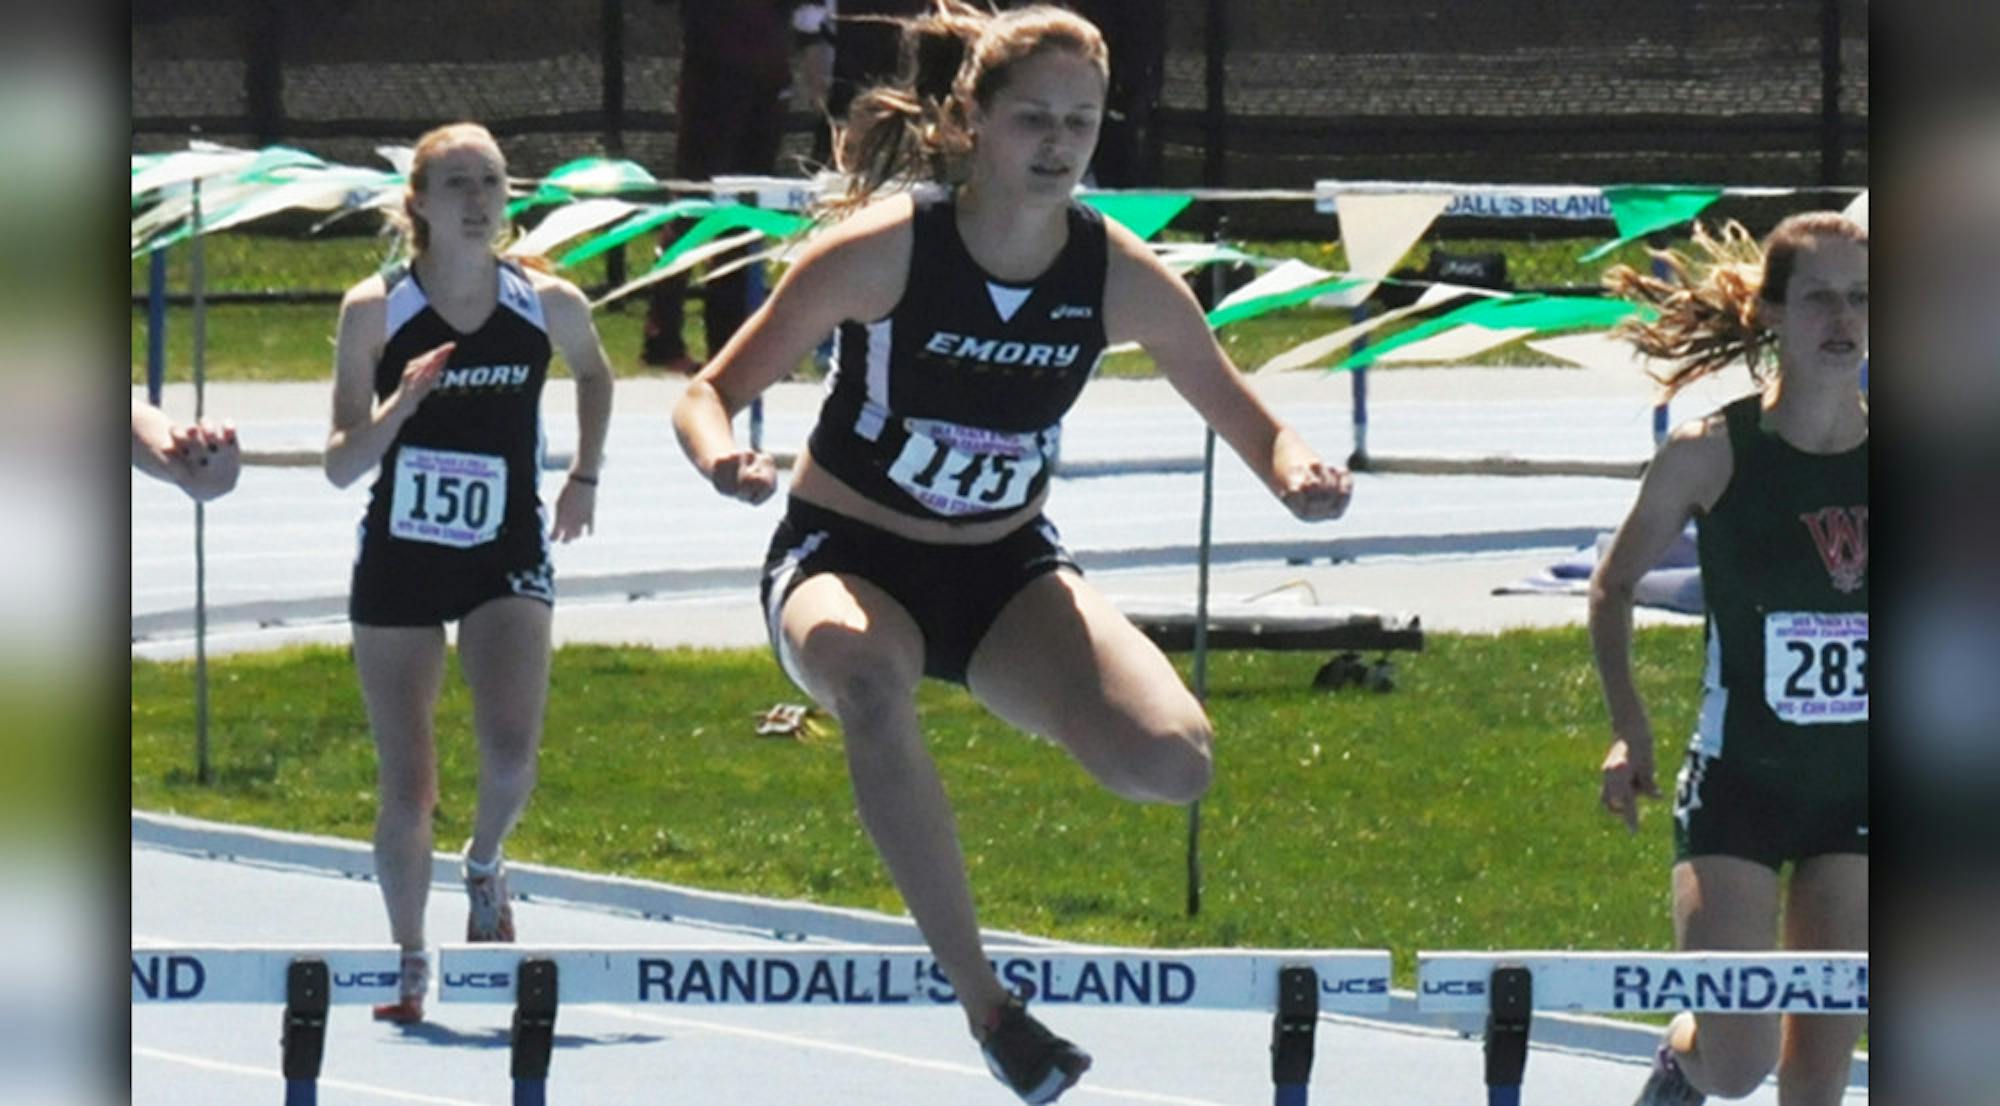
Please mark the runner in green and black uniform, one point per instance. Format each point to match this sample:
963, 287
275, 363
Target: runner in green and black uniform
1777, 769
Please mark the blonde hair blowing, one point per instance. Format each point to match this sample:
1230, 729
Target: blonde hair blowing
917, 128
1708, 309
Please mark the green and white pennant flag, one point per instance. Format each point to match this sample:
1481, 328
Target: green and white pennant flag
1378, 229
591, 176
1514, 316
567, 222
1641, 209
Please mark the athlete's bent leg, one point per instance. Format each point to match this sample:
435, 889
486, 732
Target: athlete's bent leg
1062, 662
402, 670
503, 649
1725, 904
860, 655
1826, 909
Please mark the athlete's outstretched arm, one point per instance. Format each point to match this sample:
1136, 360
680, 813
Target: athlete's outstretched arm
1687, 476
856, 270
573, 333
362, 428
1146, 303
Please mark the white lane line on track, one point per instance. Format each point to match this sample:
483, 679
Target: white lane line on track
329, 1084
1084, 1089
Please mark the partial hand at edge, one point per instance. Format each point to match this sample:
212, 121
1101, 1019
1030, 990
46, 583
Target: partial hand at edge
746, 475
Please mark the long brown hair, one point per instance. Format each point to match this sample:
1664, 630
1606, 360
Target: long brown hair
917, 128
1708, 310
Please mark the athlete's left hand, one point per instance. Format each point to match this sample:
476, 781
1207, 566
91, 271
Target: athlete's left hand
576, 511
205, 459
1315, 490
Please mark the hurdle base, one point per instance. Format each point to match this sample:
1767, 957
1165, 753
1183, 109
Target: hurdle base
1292, 1032
308, 993
1280, 628
1509, 1013
532, 1038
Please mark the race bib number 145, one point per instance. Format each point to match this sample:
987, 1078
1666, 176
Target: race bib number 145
963, 470
1816, 667
448, 498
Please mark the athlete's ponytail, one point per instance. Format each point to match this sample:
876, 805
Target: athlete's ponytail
917, 128
1708, 310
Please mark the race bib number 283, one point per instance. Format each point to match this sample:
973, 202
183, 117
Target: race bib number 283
448, 498
1816, 666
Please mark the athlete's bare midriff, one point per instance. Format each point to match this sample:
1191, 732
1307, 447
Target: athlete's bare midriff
823, 489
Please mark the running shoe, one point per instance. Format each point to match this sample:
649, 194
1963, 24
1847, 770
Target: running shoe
491, 916
408, 1008
1668, 1085
1022, 1053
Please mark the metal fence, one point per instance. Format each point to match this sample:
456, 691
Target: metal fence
1250, 93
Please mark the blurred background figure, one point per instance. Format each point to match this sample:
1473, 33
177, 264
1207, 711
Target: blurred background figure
736, 68
1135, 31
866, 52
1942, 366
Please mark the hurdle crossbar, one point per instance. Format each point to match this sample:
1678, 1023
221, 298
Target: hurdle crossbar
260, 973
307, 981
1350, 981
1509, 986
1651, 983
1292, 984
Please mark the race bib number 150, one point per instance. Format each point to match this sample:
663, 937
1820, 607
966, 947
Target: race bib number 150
1816, 667
448, 498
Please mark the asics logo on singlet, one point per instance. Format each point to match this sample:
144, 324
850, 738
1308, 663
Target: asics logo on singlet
996, 352
1072, 311
485, 376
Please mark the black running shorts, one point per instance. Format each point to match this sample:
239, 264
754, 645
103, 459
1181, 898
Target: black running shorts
952, 592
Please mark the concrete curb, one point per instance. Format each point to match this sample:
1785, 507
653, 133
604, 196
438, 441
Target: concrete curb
355, 860
666, 583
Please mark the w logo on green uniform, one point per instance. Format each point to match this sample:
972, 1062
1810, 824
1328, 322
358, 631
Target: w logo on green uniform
1841, 535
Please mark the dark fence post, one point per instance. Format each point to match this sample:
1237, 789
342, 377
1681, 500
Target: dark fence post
1831, 149
264, 70
614, 114
1215, 125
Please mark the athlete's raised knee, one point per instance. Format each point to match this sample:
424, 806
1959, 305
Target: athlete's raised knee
1735, 1081
1739, 1067
1182, 765
1163, 764
863, 691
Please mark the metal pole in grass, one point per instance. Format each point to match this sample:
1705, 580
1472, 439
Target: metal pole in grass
1216, 292
1661, 419
1358, 383
198, 278
156, 325
1201, 656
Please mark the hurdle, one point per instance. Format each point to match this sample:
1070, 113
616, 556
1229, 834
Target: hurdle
306, 980
1294, 985
1509, 986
